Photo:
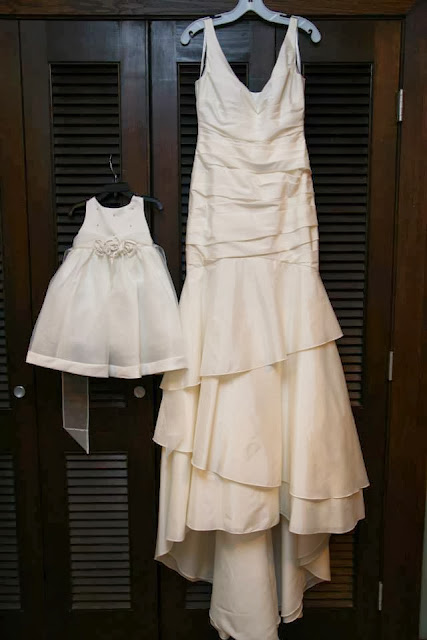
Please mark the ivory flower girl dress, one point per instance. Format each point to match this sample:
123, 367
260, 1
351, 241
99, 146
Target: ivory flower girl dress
110, 309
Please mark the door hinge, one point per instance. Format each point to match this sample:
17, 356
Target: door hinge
400, 105
390, 365
380, 596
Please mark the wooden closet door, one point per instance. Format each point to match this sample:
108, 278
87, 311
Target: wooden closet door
85, 97
352, 130
21, 569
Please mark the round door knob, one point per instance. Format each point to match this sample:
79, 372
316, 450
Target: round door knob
19, 391
139, 392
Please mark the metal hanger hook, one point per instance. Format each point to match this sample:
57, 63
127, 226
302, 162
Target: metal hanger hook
112, 168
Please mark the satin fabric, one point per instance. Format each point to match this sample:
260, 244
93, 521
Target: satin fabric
110, 309
261, 460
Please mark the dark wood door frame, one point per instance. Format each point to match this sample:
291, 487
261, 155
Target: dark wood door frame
186, 8
406, 476
18, 428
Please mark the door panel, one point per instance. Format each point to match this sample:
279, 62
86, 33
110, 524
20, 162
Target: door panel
351, 133
85, 97
21, 569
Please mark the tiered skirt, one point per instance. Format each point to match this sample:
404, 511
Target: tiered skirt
261, 459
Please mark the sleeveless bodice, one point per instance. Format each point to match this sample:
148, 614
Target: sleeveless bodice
110, 309
108, 223
227, 108
251, 178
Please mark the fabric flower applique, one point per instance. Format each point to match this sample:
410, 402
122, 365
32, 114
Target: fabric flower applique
113, 247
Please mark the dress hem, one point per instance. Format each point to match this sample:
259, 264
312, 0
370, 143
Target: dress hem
106, 370
347, 494
325, 531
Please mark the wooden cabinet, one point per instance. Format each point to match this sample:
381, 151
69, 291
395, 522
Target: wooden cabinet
77, 532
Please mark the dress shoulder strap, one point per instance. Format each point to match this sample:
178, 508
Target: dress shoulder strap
207, 32
291, 43
90, 209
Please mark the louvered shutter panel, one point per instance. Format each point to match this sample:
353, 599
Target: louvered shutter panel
339, 592
4, 378
86, 131
9, 562
337, 125
10, 595
338, 105
98, 515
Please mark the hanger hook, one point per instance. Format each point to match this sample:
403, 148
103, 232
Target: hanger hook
112, 168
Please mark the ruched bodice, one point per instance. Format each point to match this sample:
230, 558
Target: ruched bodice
251, 176
261, 459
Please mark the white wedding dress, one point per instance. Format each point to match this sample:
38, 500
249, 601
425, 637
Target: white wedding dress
261, 459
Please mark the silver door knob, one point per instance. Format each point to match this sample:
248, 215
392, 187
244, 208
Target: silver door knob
19, 391
139, 392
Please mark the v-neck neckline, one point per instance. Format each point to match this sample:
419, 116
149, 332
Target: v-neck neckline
253, 94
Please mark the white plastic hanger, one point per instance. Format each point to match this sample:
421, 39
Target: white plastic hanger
258, 7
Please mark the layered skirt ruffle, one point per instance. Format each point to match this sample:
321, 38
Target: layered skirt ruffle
261, 460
